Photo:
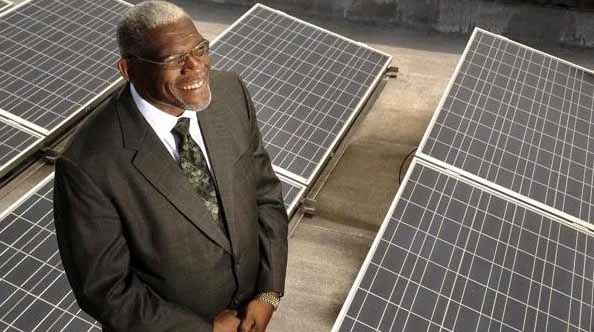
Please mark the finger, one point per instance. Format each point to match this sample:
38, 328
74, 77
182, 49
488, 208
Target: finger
261, 324
247, 325
259, 328
232, 312
235, 322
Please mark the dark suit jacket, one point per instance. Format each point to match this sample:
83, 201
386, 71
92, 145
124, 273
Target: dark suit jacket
140, 249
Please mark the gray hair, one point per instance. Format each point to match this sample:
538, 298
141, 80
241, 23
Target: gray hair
138, 20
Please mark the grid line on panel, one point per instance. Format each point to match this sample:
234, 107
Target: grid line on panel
454, 257
56, 28
521, 120
258, 56
520, 157
27, 255
298, 79
300, 150
295, 34
29, 47
524, 138
585, 174
467, 107
54, 307
299, 91
482, 109
43, 84
528, 73
292, 193
39, 295
13, 141
507, 109
477, 209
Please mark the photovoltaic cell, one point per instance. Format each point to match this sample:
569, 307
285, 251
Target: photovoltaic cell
14, 142
36, 295
307, 84
292, 194
454, 257
521, 119
57, 57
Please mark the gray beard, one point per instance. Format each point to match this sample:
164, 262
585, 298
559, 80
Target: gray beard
191, 107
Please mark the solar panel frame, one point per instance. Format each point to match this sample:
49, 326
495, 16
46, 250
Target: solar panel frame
554, 219
374, 245
46, 289
340, 135
440, 108
87, 106
33, 146
6, 4
293, 196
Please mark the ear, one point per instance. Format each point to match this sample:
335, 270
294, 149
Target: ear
124, 68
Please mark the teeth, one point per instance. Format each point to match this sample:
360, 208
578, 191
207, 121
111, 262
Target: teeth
193, 86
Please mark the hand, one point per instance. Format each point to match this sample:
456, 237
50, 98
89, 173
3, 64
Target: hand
256, 316
226, 321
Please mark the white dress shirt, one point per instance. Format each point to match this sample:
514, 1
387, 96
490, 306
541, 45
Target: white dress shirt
162, 123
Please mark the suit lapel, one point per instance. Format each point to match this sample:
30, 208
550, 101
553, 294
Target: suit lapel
221, 151
154, 161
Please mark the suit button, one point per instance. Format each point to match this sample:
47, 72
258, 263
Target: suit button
235, 302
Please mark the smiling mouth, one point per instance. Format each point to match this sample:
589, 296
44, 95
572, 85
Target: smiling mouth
192, 86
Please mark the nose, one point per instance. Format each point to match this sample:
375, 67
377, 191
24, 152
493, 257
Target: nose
193, 63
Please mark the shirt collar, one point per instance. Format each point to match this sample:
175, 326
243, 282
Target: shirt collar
161, 122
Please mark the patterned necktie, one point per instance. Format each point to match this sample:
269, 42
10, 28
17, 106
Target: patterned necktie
194, 166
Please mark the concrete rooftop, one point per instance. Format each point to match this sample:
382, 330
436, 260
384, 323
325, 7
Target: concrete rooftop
327, 250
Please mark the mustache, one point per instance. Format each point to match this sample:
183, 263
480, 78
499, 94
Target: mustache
187, 80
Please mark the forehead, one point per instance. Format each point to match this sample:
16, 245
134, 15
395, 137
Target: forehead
173, 38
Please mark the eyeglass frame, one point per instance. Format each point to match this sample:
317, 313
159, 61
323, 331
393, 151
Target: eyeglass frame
180, 59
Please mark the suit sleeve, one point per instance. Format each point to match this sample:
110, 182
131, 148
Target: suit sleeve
97, 261
272, 215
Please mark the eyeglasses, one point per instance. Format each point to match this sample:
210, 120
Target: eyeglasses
178, 60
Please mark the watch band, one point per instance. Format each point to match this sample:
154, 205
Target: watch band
269, 297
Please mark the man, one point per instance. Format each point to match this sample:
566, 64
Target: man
168, 214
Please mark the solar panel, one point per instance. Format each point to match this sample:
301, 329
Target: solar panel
452, 256
34, 292
522, 120
15, 142
58, 57
292, 194
307, 84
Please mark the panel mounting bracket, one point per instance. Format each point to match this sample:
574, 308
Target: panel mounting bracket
308, 207
391, 73
49, 155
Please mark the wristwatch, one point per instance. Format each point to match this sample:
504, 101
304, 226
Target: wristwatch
271, 298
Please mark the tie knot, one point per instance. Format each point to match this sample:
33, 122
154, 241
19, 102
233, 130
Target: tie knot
182, 127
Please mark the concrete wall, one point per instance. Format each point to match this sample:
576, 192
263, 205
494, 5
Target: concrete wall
522, 22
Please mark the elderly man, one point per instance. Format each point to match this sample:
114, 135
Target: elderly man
168, 214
